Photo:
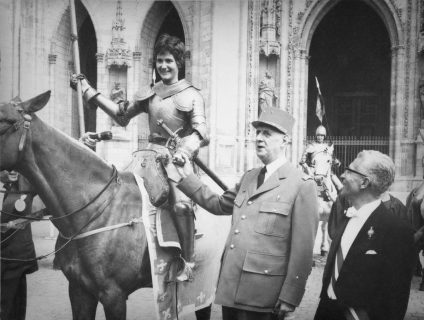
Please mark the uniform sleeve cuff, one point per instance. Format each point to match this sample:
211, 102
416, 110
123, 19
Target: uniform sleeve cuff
190, 184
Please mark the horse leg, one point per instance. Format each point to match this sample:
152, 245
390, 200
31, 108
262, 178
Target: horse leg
83, 303
115, 305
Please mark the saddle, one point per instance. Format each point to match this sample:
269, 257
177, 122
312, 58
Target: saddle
152, 170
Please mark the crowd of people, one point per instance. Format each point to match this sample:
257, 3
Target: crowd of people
268, 254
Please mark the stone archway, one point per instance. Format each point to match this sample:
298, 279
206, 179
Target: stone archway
350, 56
307, 28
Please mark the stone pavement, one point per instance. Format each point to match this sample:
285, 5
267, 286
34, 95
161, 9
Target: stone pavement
47, 294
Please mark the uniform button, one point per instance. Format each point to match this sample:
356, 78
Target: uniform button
297, 277
231, 246
266, 271
237, 231
249, 203
243, 217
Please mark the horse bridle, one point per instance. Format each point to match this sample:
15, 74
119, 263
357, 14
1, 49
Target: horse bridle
25, 122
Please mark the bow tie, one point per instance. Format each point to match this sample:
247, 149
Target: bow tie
351, 212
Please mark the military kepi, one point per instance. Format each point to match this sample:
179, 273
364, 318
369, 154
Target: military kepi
276, 118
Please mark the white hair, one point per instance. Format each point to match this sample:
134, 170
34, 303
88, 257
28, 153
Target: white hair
379, 168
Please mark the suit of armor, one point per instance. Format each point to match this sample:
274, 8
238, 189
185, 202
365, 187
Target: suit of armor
310, 161
181, 107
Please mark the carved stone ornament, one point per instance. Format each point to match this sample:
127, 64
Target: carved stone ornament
270, 27
119, 53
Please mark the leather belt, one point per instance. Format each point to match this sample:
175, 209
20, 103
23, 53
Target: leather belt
157, 140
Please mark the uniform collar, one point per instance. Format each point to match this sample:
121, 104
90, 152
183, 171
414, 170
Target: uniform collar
275, 165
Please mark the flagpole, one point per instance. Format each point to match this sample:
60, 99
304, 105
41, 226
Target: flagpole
320, 96
75, 47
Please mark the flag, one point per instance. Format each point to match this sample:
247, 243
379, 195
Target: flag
320, 108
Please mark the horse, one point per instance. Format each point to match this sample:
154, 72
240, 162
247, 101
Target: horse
415, 213
327, 193
83, 193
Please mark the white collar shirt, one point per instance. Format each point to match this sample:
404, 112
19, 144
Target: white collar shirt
273, 166
354, 225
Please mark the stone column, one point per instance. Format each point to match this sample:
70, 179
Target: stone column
135, 88
52, 67
419, 159
102, 121
299, 110
397, 105
297, 144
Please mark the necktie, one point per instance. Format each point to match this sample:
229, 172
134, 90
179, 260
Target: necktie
261, 176
350, 313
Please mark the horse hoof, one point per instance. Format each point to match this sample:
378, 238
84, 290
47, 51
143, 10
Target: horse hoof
323, 253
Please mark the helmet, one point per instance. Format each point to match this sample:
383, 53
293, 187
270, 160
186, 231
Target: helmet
321, 131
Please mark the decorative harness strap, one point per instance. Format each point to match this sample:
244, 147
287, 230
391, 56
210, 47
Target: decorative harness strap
108, 228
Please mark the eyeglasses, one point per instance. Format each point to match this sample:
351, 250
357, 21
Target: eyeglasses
354, 171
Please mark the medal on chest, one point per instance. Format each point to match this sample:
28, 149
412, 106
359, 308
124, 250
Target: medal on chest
20, 204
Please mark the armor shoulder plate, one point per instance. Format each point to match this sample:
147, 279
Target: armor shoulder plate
144, 94
187, 99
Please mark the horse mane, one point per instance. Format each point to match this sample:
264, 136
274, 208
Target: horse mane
72, 142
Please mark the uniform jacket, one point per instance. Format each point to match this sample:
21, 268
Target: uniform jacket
268, 253
376, 273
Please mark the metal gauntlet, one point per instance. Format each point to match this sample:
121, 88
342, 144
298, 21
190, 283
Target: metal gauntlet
189, 145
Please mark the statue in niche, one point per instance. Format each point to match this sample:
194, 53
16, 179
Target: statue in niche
117, 94
267, 96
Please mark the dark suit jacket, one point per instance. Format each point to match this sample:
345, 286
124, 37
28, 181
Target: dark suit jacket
19, 244
268, 254
380, 282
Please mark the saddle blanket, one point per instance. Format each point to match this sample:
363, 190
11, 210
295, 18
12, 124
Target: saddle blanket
179, 300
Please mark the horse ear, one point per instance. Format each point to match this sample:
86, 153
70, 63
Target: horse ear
36, 103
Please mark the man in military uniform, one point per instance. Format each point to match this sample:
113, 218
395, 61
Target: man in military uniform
181, 107
268, 253
318, 151
16, 244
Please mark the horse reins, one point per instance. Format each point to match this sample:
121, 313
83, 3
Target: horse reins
26, 122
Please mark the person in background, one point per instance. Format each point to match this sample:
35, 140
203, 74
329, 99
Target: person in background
17, 247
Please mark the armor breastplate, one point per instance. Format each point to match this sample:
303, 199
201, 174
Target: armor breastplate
180, 106
321, 147
166, 110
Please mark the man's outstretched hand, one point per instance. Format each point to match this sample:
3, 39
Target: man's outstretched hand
187, 168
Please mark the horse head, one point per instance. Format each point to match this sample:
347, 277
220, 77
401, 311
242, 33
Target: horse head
15, 121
